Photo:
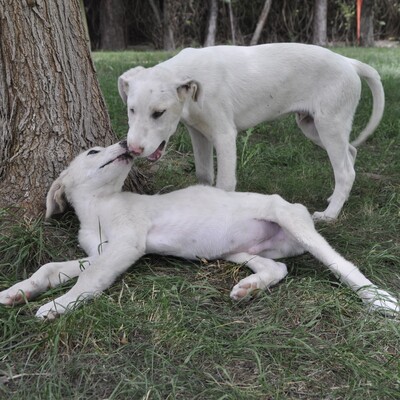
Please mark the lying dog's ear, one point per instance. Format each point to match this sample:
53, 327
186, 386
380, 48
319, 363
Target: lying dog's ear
191, 88
123, 82
55, 200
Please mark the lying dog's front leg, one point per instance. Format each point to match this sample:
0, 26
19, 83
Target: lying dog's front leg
94, 280
48, 276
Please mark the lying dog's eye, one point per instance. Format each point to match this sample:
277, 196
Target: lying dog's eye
157, 114
132, 110
93, 152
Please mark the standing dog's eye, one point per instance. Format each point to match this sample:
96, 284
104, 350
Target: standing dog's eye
157, 114
93, 152
132, 110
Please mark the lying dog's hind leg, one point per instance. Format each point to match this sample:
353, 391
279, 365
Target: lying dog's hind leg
267, 272
296, 221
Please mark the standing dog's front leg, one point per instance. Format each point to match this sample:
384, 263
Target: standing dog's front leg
107, 267
203, 156
225, 146
48, 276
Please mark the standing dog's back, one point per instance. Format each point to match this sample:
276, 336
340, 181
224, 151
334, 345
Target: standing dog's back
218, 91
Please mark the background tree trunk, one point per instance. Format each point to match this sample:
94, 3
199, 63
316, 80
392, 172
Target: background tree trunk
112, 15
164, 22
168, 30
232, 21
261, 22
212, 23
51, 106
367, 23
320, 22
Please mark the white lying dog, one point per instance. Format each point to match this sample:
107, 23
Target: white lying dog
218, 91
200, 221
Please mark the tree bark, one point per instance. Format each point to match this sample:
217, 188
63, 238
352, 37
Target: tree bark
320, 22
51, 106
212, 23
168, 31
367, 24
232, 22
112, 16
261, 22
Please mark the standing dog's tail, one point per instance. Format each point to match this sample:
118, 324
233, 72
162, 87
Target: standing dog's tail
378, 98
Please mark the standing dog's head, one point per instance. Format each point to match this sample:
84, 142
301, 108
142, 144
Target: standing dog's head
97, 171
155, 100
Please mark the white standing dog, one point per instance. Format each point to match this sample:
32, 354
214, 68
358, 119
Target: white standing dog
218, 91
117, 228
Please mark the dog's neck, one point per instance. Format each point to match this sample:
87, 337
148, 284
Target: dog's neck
86, 202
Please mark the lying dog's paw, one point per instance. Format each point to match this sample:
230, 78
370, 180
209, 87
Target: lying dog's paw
55, 308
321, 216
258, 281
384, 303
16, 294
243, 289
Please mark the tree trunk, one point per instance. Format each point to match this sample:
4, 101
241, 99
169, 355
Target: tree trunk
168, 31
367, 23
112, 17
261, 22
212, 23
51, 106
232, 21
320, 22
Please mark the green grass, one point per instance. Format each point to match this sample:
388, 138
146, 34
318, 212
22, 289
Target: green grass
168, 330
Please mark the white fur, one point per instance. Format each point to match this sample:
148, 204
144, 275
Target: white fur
218, 91
117, 228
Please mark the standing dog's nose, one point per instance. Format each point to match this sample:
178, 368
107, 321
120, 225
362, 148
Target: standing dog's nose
137, 151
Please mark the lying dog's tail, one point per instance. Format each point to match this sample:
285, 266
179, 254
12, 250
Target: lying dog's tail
378, 98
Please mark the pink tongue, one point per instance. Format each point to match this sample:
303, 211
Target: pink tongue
157, 154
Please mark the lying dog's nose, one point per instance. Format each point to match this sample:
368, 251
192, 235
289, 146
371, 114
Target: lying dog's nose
124, 144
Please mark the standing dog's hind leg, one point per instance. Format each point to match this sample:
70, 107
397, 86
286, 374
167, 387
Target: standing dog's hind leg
342, 159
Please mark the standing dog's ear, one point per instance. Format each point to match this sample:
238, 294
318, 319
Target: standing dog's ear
55, 200
123, 82
190, 87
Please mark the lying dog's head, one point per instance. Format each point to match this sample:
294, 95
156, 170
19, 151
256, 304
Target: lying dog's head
155, 100
96, 171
